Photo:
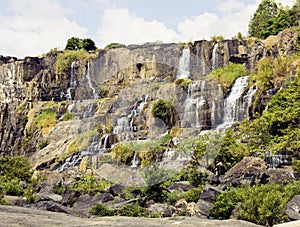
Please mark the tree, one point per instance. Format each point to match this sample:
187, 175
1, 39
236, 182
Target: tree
88, 44
73, 44
263, 17
76, 44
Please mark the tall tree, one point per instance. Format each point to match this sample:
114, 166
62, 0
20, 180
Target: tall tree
263, 18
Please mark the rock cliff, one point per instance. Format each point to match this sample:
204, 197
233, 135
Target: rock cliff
113, 93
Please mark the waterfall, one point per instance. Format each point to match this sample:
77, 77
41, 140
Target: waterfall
194, 104
184, 65
135, 161
96, 148
125, 124
90, 110
73, 82
88, 77
214, 59
247, 101
233, 106
174, 159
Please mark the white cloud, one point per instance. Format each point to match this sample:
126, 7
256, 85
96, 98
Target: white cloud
234, 18
35, 27
119, 25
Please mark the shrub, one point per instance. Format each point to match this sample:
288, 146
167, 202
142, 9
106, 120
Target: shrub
68, 116
164, 110
184, 83
90, 183
132, 210
112, 45
43, 144
122, 153
227, 75
216, 38
45, 121
102, 210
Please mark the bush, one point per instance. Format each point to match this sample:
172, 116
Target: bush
132, 210
90, 183
102, 210
45, 121
226, 76
216, 38
112, 45
184, 83
68, 116
164, 110
76, 44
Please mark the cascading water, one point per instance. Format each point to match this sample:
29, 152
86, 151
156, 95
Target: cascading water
174, 159
233, 106
73, 82
184, 65
214, 59
96, 148
194, 104
236, 106
88, 77
135, 161
125, 124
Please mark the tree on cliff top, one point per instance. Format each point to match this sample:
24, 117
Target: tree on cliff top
76, 44
270, 18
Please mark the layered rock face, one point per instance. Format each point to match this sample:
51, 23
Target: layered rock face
130, 77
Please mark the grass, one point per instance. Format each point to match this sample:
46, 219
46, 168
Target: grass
45, 121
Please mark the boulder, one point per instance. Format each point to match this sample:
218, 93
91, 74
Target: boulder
116, 189
293, 208
182, 186
163, 210
52, 206
204, 207
251, 171
209, 193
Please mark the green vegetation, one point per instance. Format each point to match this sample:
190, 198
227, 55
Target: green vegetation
77, 44
260, 204
112, 45
46, 119
43, 143
68, 116
16, 178
24, 120
164, 110
102, 210
227, 75
270, 19
65, 59
183, 83
90, 183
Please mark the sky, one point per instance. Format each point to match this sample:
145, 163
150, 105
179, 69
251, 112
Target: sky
34, 27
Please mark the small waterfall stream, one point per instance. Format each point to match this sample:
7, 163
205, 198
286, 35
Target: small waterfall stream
214, 59
125, 124
88, 77
97, 147
135, 161
184, 65
73, 82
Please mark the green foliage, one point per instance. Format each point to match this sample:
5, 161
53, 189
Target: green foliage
13, 171
132, 210
46, 119
43, 144
65, 59
122, 153
77, 44
108, 46
270, 19
260, 204
24, 120
183, 83
164, 110
279, 127
296, 166
68, 116
90, 183
231, 151
102, 210
227, 75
